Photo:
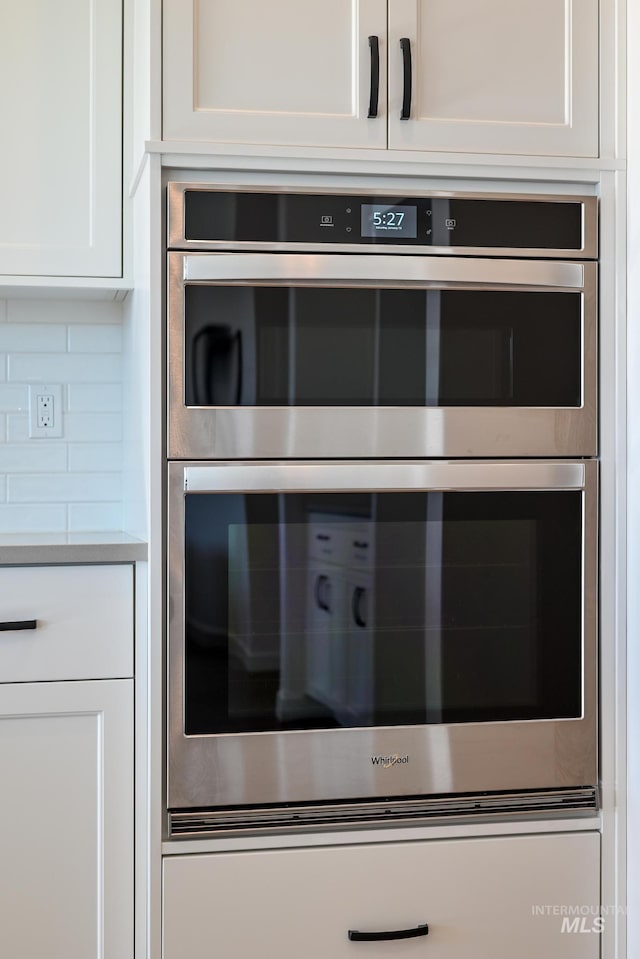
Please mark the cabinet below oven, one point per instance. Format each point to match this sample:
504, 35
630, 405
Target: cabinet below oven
491, 898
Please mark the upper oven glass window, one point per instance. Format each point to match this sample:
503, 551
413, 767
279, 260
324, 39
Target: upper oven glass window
275, 345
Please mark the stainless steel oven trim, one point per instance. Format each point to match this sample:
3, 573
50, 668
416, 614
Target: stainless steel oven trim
400, 432
176, 230
462, 758
506, 807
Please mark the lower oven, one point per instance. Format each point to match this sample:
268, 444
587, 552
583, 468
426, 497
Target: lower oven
380, 640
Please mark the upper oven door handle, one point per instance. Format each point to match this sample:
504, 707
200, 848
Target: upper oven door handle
381, 271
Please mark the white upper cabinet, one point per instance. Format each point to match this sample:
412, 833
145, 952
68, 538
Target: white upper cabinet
282, 72
61, 119
496, 76
486, 76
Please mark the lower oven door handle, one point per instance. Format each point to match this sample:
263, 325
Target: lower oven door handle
399, 475
380, 270
421, 930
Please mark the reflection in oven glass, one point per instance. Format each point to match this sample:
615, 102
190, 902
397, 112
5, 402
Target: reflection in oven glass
292, 346
316, 610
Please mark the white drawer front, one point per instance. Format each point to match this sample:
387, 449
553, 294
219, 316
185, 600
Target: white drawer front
486, 898
84, 618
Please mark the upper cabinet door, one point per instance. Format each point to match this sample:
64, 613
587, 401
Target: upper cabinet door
282, 72
61, 120
495, 76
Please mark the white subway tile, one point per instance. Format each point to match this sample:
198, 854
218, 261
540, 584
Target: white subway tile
94, 339
64, 368
95, 457
14, 399
93, 427
64, 488
33, 519
94, 517
75, 482
85, 398
33, 338
17, 427
39, 456
64, 311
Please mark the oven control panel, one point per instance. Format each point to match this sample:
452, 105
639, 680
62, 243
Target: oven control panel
278, 219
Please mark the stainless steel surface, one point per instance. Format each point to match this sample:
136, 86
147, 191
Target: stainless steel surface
312, 432
176, 240
289, 477
329, 765
454, 809
382, 271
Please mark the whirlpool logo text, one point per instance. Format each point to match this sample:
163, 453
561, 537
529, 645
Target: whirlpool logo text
387, 761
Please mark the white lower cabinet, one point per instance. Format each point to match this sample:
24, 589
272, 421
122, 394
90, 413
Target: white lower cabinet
66, 820
81, 620
494, 898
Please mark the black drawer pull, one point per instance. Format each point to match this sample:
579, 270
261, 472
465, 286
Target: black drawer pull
405, 44
19, 624
374, 46
422, 930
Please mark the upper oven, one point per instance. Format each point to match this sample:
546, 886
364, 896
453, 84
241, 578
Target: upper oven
317, 325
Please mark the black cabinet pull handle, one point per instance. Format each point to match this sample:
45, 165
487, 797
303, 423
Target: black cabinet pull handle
19, 624
357, 606
405, 45
322, 591
374, 46
356, 936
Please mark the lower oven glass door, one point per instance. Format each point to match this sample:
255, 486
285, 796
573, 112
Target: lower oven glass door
357, 630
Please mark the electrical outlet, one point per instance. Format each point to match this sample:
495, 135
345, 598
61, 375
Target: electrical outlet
45, 410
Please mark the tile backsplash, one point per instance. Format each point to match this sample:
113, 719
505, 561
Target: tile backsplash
72, 483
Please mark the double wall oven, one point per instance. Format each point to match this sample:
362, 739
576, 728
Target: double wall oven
382, 506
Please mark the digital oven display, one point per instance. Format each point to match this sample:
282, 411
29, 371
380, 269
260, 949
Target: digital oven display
378, 219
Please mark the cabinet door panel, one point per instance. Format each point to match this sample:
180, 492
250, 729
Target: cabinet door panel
61, 162
481, 898
66, 820
493, 76
281, 72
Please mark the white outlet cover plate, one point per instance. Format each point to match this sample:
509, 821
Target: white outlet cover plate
45, 432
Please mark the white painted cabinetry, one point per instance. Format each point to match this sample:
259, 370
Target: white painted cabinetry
494, 76
487, 76
66, 764
282, 72
84, 622
61, 156
495, 898
66, 817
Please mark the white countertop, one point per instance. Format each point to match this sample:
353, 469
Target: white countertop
32, 548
